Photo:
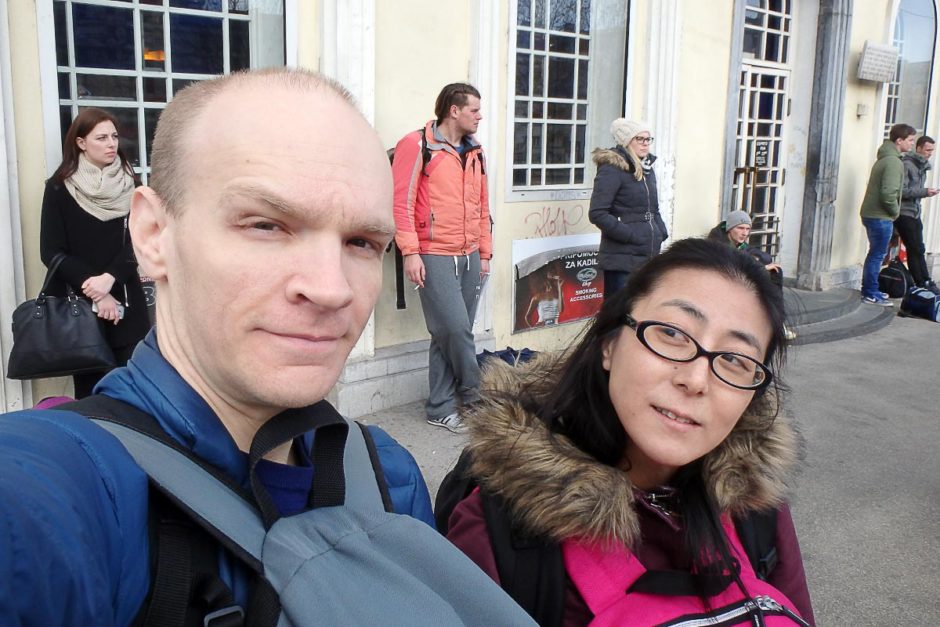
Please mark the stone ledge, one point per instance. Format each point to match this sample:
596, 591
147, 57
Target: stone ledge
850, 277
395, 375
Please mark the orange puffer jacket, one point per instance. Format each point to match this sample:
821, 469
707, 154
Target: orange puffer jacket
441, 208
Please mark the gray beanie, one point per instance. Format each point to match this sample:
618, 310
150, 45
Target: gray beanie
625, 130
736, 218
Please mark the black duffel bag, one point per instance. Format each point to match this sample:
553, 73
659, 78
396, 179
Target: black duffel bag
895, 279
54, 336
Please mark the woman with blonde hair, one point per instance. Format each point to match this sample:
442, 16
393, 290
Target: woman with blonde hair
625, 205
84, 218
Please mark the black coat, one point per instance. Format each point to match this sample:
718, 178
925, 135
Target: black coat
626, 211
92, 247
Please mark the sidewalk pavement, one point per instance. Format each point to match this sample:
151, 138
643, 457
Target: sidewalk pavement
866, 502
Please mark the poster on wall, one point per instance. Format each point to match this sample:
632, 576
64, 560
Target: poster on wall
557, 280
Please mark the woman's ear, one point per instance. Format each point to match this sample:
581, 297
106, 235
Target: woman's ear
80, 142
607, 350
147, 224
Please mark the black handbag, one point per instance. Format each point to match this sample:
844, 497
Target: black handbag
54, 336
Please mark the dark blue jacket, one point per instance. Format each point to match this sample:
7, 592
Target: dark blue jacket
73, 504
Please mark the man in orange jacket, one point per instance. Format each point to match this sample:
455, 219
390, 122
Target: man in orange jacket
443, 229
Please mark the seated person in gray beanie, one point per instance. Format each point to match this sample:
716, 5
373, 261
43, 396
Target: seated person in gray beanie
734, 231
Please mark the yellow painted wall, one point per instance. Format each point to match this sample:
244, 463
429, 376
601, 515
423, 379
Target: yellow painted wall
701, 117
308, 34
417, 52
30, 154
861, 136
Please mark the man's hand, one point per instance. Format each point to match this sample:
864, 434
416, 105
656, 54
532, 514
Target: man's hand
932, 191
773, 267
107, 309
484, 268
414, 269
97, 287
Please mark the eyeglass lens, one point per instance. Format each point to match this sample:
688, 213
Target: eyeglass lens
738, 370
644, 140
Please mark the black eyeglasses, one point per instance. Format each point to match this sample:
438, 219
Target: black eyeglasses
644, 140
669, 342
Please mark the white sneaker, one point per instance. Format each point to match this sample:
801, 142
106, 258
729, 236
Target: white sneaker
451, 422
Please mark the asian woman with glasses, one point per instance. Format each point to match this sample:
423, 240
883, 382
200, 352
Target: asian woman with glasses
624, 204
629, 461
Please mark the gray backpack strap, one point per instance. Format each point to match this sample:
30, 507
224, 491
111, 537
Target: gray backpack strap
362, 488
205, 496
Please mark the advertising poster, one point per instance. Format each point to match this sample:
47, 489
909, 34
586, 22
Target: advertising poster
557, 280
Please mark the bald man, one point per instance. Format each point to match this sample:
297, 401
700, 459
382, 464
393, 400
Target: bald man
264, 228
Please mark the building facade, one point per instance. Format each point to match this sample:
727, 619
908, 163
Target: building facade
754, 104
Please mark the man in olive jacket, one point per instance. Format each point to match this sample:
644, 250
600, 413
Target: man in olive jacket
881, 205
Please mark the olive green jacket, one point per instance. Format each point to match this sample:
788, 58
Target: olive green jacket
883, 194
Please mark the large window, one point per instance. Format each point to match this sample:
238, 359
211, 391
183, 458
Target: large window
915, 30
568, 86
131, 56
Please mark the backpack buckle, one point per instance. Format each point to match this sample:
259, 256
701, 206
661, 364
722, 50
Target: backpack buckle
232, 616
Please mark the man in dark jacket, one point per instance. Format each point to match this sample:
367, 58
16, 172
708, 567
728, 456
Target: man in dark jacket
909, 224
267, 271
735, 231
881, 206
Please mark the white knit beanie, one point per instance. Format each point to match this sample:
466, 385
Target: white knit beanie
625, 130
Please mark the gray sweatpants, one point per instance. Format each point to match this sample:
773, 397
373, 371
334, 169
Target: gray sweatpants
449, 300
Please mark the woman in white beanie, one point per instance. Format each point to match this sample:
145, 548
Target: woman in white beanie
624, 204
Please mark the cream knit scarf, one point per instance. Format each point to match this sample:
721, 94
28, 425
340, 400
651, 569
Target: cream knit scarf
104, 193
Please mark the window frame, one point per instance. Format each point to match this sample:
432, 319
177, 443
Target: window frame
49, 69
571, 191
890, 92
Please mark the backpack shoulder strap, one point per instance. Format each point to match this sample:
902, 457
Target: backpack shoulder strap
758, 534
185, 586
456, 486
216, 506
531, 570
425, 151
377, 469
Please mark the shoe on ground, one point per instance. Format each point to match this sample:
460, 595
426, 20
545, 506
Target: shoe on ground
788, 333
877, 300
451, 422
885, 295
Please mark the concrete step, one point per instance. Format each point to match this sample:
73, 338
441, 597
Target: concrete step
833, 315
806, 307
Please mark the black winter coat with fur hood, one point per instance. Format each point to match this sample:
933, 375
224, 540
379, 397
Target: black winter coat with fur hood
625, 210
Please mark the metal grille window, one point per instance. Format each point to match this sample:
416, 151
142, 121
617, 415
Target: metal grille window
763, 106
131, 56
907, 96
555, 79
767, 30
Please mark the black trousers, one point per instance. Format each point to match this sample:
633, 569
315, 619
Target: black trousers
911, 231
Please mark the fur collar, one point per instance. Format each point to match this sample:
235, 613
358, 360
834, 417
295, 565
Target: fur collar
557, 491
617, 157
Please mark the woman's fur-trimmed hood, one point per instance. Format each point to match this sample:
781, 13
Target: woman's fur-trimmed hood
618, 158
556, 490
